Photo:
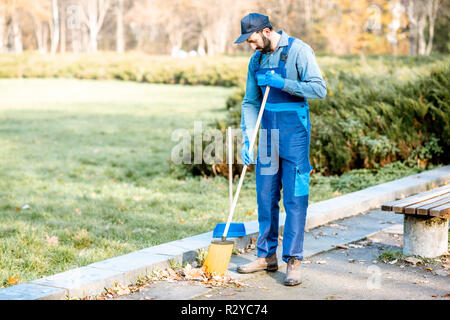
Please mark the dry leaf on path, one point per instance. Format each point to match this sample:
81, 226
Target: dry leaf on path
413, 260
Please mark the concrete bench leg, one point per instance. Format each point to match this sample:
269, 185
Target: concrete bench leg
425, 236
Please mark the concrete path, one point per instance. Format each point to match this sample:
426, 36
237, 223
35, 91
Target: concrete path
329, 272
351, 274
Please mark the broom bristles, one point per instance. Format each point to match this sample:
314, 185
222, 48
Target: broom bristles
218, 257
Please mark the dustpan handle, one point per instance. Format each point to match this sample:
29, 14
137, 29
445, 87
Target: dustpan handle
244, 170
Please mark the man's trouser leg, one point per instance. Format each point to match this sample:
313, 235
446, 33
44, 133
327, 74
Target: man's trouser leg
268, 190
296, 168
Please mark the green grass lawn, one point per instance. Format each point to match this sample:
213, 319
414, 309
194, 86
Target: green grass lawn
85, 163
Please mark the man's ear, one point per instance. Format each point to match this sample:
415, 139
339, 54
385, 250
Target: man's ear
266, 32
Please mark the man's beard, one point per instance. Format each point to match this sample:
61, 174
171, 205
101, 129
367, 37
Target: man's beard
267, 45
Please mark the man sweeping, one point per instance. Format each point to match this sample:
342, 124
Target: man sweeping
288, 66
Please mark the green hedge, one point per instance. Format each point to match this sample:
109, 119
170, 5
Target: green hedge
216, 71
379, 109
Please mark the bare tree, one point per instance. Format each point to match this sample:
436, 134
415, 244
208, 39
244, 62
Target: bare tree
62, 25
54, 26
16, 30
416, 11
144, 20
93, 14
432, 10
2, 25
215, 21
120, 36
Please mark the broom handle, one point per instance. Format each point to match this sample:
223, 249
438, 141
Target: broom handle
250, 151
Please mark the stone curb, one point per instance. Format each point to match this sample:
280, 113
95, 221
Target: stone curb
94, 278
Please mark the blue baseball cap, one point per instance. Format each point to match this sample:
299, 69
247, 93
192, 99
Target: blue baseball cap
252, 23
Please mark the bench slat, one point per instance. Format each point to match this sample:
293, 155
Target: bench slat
400, 208
412, 209
426, 209
416, 198
441, 211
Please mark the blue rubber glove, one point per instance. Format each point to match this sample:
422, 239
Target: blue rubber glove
246, 158
274, 80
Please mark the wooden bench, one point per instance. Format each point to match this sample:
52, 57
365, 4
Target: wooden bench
425, 224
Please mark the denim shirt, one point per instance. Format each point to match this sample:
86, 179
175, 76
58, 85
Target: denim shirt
303, 78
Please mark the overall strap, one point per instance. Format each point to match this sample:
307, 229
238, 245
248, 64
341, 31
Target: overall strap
285, 53
257, 61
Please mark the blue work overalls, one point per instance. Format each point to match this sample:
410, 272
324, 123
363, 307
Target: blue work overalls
282, 163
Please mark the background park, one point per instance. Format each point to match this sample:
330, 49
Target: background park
92, 90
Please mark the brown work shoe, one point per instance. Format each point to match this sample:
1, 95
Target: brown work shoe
269, 264
293, 276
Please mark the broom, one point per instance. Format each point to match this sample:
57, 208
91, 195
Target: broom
219, 253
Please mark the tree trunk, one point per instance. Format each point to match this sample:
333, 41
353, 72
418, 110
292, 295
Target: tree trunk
62, 24
432, 9
45, 32
17, 34
75, 40
39, 35
92, 25
2, 28
413, 27
54, 27
120, 39
96, 11
421, 35
201, 44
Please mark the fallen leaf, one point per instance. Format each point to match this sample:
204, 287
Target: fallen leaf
428, 269
412, 260
13, 280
